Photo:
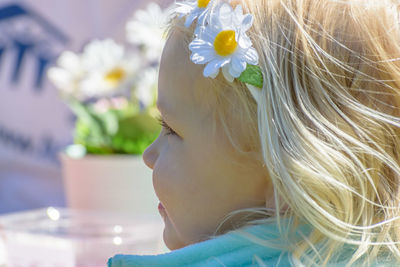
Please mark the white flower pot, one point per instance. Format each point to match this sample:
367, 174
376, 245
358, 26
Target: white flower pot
115, 183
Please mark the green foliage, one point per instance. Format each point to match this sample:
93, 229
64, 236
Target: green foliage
252, 75
126, 131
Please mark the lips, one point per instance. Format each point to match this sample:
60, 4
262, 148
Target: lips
161, 210
160, 206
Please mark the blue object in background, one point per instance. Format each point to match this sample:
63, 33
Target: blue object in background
26, 44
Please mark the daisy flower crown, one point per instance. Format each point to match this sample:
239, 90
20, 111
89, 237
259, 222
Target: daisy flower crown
221, 42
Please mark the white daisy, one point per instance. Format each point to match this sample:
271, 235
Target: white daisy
224, 44
103, 68
146, 30
109, 68
194, 9
146, 87
67, 74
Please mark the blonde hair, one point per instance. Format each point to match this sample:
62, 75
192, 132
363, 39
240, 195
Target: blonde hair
328, 126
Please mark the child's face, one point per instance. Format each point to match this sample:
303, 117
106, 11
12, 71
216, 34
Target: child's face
196, 174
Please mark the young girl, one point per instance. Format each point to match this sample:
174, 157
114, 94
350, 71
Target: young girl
280, 141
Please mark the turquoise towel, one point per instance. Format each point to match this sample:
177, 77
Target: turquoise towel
231, 249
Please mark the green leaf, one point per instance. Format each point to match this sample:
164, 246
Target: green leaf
135, 133
252, 75
110, 121
126, 131
90, 129
84, 114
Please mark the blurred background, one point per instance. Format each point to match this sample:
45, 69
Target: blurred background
78, 86
39, 110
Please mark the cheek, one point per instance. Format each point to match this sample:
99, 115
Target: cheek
177, 184
171, 171
169, 175
162, 173
168, 183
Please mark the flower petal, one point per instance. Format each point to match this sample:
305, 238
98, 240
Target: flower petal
247, 22
206, 34
214, 75
224, 61
234, 73
211, 68
203, 56
244, 40
227, 75
209, 24
239, 11
225, 15
214, 66
189, 19
185, 8
251, 56
198, 44
238, 64
204, 18
235, 68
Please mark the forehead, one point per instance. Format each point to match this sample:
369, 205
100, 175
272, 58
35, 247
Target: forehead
181, 82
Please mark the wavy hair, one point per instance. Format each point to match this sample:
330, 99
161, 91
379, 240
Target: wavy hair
327, 127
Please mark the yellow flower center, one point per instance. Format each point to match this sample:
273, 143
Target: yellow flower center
115, 76
225, 43
202, 3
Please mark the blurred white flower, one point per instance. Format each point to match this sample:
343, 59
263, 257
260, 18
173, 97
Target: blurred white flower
68, 73
146, 87
109, 68
103, 68
146, 29
102, 54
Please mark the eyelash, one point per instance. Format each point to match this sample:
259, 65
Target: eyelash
169, 130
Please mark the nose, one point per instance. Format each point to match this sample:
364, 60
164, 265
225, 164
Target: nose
150, 155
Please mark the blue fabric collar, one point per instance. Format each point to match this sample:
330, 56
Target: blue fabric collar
234, 249
231, 249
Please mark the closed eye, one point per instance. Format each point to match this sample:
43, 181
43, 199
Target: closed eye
166, 127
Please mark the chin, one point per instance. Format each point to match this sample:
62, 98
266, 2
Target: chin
171, 241
171, 238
